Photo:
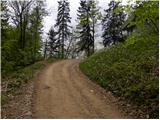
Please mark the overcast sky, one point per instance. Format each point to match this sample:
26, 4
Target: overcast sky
52, 6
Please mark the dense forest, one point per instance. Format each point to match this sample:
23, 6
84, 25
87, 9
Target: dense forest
127, 64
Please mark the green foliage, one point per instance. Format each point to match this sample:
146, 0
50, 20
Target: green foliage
9, 57
129, 70
21, 42
148, 12
144, 12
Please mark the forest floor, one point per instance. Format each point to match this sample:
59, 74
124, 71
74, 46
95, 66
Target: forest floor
19, 105
61, 90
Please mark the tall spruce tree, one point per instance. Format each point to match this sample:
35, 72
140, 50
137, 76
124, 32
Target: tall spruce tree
62, 23
53, 43
86, 40
112, 24
94, 15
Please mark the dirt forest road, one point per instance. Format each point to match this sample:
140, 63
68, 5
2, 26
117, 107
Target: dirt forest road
62, 91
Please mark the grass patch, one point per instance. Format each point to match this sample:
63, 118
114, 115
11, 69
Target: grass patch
130, 71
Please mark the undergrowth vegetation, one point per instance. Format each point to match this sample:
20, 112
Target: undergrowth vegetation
129, 70
17, 79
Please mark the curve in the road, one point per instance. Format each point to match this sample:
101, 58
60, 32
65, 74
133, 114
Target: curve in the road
62, 91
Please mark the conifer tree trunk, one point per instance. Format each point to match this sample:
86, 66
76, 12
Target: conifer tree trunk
93, 37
